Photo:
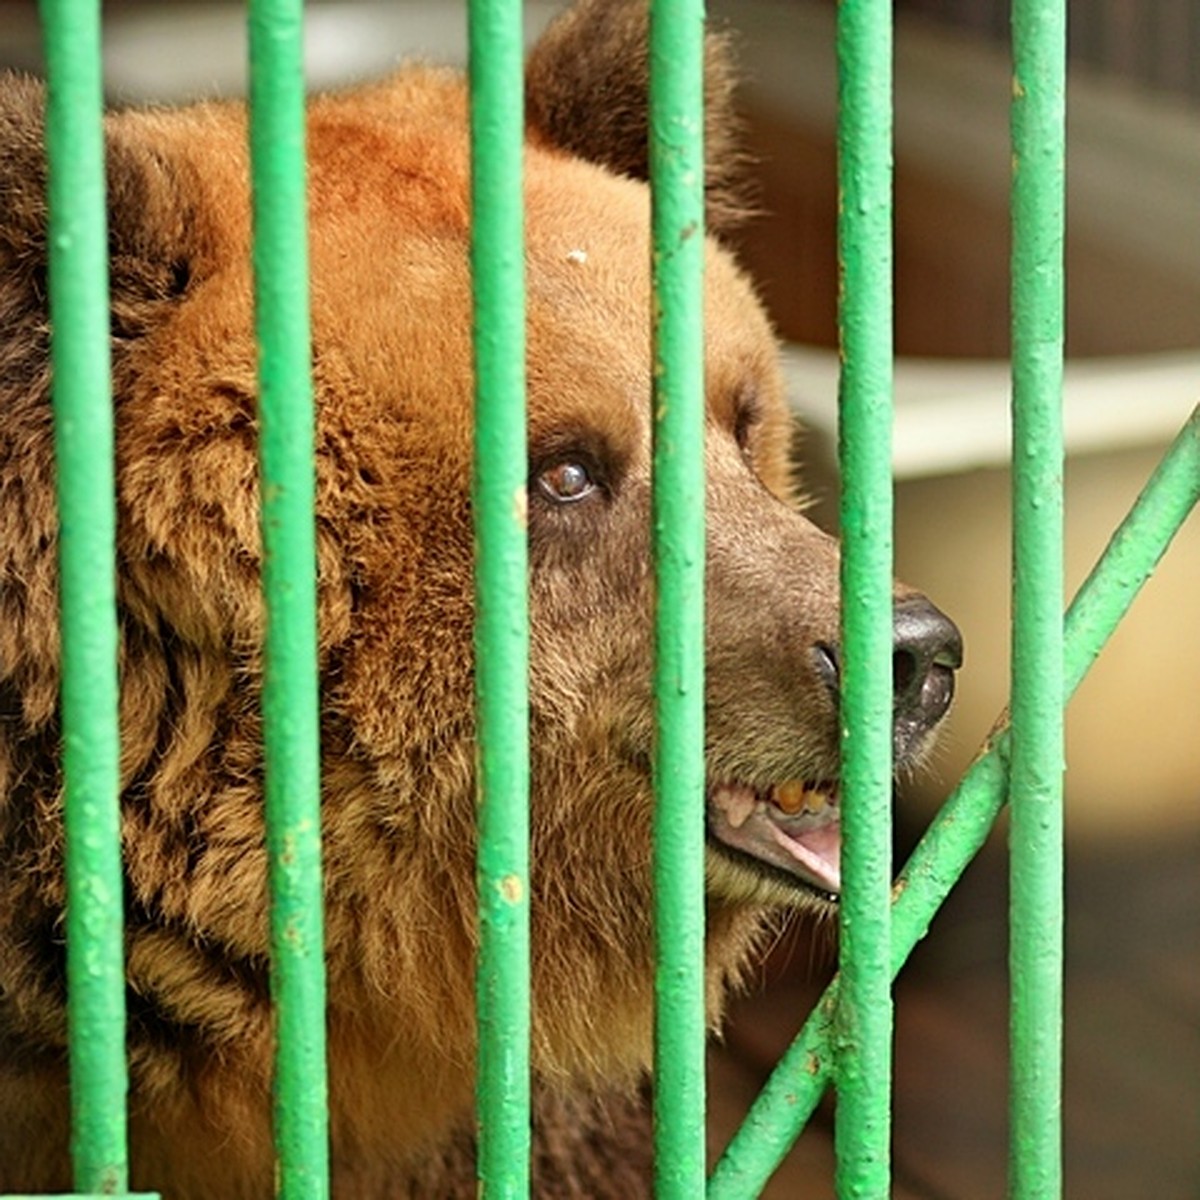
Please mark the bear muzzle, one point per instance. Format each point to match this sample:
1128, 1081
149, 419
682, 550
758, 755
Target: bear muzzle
793, 828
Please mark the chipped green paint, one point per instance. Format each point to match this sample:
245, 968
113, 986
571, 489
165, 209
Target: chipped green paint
83, 443
1037, 754
291, 725
502, 605
677, 207
862, 1029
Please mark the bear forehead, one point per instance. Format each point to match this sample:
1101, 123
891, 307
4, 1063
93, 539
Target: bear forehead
390, 243
389, 183
395, 168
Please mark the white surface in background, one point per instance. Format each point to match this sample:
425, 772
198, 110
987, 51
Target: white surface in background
191, 50
953, 415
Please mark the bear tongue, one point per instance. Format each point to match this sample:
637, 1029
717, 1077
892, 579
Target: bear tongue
818, 851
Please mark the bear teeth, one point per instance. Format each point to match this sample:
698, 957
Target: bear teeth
738, 804
795, 797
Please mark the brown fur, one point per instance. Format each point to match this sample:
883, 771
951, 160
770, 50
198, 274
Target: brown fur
392, 368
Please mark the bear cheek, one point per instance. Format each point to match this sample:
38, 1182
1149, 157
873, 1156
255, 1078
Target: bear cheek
591, 603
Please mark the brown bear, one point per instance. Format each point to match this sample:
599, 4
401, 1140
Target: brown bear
388, 171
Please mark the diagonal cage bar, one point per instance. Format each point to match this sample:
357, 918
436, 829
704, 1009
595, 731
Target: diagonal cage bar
291, 728
677, 207
956, 835
501, 598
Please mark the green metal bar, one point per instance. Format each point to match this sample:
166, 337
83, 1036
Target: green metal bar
83, 439
291, 728
960, 829
1134, 551
1036, 834
677, 175
863, 1018
502, 608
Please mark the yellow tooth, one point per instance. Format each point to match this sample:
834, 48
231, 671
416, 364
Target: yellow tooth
816, 802
789, 796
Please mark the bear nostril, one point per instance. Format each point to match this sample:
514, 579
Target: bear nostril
928, 650
905, 668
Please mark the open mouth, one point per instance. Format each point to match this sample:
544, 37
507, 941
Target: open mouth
794, 827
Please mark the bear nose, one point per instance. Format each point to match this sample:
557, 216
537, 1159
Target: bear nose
927, 650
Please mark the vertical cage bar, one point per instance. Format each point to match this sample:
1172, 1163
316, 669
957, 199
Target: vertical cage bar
1036, 963
501, 599
83, 440
677, 176
863, 1018
290, 713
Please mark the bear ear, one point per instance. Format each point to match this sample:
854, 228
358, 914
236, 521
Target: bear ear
151, 233
586, 91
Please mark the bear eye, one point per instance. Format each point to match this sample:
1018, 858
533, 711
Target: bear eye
747, 418
566, 482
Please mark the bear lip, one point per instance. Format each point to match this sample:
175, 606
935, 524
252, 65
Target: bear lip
804, 842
